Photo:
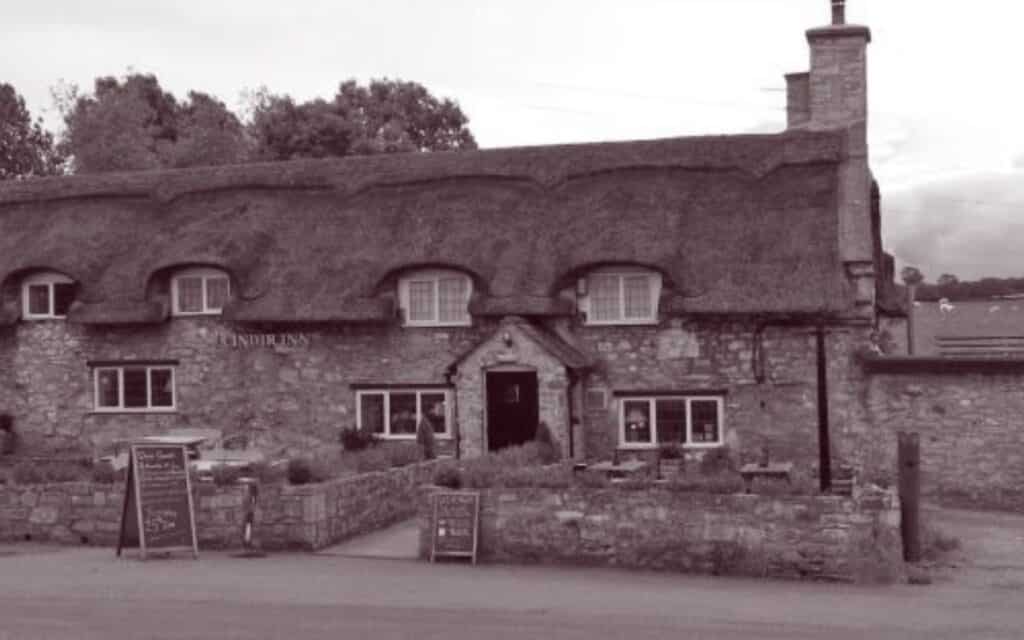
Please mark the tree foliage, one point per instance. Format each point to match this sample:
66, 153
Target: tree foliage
132, 123
386, 116
911, 276
983, 289
26, 149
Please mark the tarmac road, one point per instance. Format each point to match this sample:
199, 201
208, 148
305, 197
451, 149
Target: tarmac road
85, 593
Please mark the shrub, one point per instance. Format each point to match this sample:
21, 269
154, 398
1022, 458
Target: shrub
376, 459
670, 451
448, 477
266, 472
225, 475
300, 471
26, 472
547, 448
720, 483
716, 461
104, 473
401, 455
591, 480
353, 439
34, 472
935, 543
425, 439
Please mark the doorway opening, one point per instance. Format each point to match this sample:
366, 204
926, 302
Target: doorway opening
512, 408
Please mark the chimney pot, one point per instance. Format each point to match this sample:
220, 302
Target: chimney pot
838, 11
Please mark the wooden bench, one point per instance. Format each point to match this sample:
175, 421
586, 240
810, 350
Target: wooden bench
773, 470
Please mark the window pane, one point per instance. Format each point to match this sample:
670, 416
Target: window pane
452, 299
434, 411
106, 388
371, 410
190, 294
161, 388
217, 293
63, 296
421, 300
671, 414
638, 420
638, 296
705, 420
39, 299
135, 388
403, 413
604, 298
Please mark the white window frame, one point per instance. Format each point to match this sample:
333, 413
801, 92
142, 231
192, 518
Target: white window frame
47, 279
651, 400
654, 284
433, 276
205, 274
419, 391
120, 408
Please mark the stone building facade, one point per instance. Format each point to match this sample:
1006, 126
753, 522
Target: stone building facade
693, 291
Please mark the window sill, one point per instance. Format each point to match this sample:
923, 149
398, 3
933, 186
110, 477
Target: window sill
134, 412
437, 325
635, 446
42, 318
186, 314
622, 323
410, 437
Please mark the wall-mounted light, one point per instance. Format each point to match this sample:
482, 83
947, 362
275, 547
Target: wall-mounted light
507, 339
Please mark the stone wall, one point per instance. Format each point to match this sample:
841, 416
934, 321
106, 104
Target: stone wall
304, 517
804, 537
971, 440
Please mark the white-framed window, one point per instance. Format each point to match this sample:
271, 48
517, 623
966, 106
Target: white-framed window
134, 387
395, 413
691, 421
199, 291
435, 298
621, 296
46, 295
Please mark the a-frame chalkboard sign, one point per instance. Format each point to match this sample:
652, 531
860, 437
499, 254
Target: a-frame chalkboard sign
455, 525
158, 514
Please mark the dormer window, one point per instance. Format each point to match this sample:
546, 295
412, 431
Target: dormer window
46, 295
199, 291
435, 298
620, 296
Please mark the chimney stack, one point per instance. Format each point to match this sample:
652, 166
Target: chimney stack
838, 12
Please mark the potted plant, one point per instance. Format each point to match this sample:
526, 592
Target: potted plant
670, 459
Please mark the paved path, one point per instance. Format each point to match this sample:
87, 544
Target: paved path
63, 593
400, 541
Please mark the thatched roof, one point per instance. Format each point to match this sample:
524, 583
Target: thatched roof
736, 224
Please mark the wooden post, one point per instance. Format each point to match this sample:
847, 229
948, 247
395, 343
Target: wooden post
909, 460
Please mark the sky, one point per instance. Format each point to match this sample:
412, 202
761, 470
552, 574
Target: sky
945, 96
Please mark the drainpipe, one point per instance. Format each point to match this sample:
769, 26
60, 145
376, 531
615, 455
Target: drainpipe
571, 399
824, 446
454, 409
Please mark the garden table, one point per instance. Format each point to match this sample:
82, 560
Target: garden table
620, 470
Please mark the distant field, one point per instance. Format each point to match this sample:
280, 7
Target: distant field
982, 318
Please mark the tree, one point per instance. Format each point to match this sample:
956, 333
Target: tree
26, 149
132, 123
911, 276
947, 279
386, 116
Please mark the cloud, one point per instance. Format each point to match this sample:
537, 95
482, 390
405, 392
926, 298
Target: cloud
967, 225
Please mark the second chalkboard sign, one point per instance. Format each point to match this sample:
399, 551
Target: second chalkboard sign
454, 525
158, 514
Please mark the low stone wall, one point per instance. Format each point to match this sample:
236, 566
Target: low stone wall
803, 537
305, 517
972, 444
315, 516
90, 513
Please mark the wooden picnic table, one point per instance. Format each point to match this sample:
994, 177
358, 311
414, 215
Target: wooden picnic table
620, 470
774, 470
